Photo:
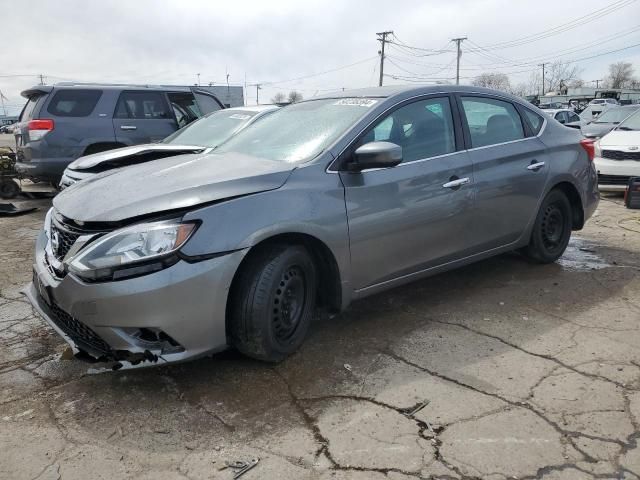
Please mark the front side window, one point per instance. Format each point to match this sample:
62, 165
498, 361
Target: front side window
423, 129
491, 121
301, 131
142, 106
74, 103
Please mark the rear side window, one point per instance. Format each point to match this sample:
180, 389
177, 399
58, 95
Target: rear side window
491, 121
73, 103
142, 105
27, 111
535, 120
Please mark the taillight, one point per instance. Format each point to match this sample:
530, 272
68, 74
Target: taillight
39, 128
589, 147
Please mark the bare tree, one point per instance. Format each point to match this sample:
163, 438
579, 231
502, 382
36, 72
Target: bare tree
294, 96
279, 98
522, 90
495, 80
620, 74
558, 72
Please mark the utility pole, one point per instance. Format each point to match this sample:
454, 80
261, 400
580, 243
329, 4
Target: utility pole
458, 41
258, 87
4, 109
41, 79
382, 38
198, 78
597, 82
542, 65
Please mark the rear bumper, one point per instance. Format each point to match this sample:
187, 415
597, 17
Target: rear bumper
49, 169
186, 301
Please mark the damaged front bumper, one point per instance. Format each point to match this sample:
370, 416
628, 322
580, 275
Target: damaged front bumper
172, 315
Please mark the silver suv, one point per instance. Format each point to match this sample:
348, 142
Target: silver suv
321, 203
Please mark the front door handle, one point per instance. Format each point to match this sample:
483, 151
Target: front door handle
534, 167
456, 182
128, 127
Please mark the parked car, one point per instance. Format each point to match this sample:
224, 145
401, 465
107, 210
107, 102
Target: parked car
565, 116
617, 155
63, 122
550, 105
6, 128
603, 101
323, 202
201, 136
607, 120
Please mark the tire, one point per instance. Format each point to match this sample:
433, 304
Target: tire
552, 229
9, 188
273, 301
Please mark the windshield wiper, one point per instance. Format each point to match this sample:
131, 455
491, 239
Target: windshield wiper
626, 129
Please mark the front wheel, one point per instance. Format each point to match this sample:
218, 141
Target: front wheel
552, 229
9, 188
273, 300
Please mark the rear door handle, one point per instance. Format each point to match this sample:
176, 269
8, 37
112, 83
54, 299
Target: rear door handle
128, 127
458, 182
534, 167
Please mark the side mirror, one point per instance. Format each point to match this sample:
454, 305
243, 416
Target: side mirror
375, 155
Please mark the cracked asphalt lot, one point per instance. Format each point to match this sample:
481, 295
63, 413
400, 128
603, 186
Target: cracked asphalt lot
499, 370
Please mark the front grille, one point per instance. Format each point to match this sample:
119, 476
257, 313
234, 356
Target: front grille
618, 155
82, 335
62, 239
613, 179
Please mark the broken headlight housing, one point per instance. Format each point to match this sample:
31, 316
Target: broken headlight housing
132, 251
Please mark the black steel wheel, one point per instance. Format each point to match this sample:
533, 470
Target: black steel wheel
552, 229
272, 302
9, 188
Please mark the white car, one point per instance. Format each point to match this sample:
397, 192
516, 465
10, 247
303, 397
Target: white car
617, 155
603, 101
566, 117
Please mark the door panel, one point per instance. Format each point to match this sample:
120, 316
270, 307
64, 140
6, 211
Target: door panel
403, 219
510, 171
142, 117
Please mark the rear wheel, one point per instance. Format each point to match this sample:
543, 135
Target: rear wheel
552, 229
273, 300
9, 188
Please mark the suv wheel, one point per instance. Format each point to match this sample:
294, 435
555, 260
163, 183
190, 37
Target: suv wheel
552, 229
273, 301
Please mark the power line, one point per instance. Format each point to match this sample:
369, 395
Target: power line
577, 22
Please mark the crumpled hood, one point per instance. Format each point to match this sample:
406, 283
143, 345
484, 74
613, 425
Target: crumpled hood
621, 138
125, 154
168, 184
596, 129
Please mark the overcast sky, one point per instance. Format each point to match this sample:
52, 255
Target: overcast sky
272, 42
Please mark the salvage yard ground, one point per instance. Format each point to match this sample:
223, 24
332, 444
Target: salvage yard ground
502, 369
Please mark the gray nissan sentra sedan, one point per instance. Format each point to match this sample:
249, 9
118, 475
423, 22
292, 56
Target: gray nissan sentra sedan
321, 203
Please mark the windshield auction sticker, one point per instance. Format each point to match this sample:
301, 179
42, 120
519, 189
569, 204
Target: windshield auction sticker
359, 102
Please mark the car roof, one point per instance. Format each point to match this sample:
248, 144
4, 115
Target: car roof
402, 90
44, 89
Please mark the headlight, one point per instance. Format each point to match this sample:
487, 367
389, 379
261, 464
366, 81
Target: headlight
132, 251
597, 151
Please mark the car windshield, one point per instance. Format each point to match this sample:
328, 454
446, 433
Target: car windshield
615, 115
631, 123
212, 130
299, 132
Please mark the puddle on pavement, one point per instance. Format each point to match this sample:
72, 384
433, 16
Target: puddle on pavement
581, 256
